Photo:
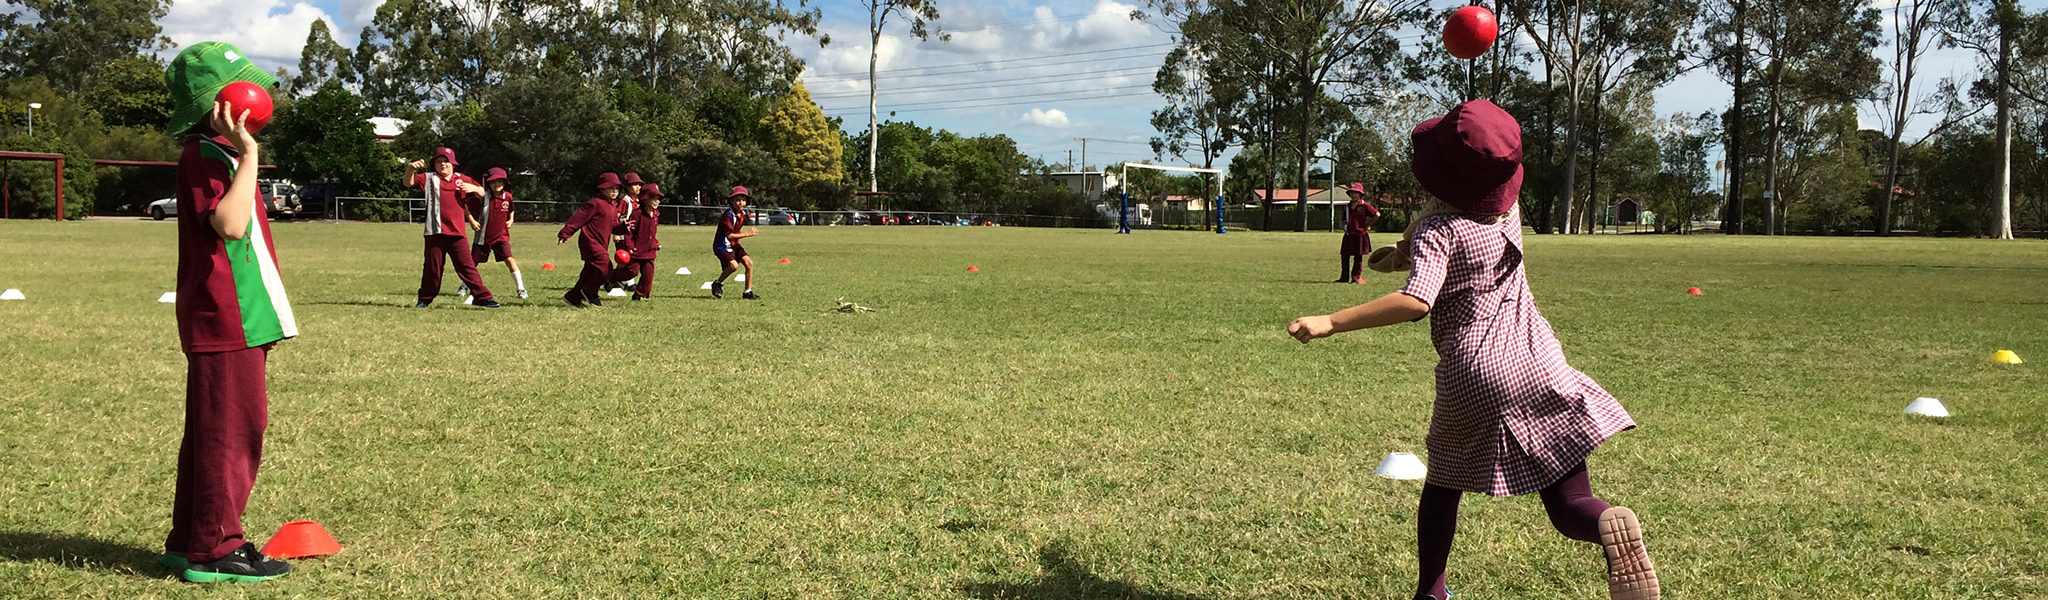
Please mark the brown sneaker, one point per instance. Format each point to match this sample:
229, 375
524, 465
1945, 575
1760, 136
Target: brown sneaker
1630, 576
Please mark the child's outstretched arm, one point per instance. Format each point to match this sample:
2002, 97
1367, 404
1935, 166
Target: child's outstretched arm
1383, 311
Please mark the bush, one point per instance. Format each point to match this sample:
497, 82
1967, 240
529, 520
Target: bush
32, 186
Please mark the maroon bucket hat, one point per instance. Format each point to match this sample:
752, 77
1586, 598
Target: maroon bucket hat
632, 178
607, 181
1471, 158
495, 174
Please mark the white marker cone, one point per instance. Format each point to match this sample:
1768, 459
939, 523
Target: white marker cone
469, 299
683, 271
618, 292
1401, 465
12, 294
168, 298
1928, 407
707, 285
742, 278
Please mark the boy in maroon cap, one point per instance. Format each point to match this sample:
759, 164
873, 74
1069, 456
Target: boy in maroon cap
1357, 236
446, 236
231, 311
495, 239
727, 244
596, 222
641, 243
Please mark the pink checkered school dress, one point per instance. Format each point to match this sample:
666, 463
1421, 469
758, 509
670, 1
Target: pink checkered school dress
1510, 415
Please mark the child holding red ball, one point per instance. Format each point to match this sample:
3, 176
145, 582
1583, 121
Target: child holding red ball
1511, 417
231, 311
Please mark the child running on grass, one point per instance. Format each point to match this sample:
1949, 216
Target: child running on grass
596, 222
1511, 417
642, 244
495, 239
231, 310
727, 244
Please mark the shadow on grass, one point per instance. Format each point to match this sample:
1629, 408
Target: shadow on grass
77, 552
1065, 579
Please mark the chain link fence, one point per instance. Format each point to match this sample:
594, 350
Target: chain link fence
413, 210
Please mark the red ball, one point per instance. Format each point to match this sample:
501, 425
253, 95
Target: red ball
245, 95
1470, 31
623, 256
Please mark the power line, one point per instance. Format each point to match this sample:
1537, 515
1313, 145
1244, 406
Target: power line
1000, 104
1007, 82
894, 107
825, 77
1074, 18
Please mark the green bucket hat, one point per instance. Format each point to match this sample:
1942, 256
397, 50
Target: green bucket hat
197, 75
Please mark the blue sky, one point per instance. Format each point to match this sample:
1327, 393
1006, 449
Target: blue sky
1043, 72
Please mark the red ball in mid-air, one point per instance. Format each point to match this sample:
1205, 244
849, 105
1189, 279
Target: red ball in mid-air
623, 256
246, 95
1470, 31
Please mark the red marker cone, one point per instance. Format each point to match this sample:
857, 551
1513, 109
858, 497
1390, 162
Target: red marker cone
972, 269
547, 266
299, 539
1695, 292
785, 260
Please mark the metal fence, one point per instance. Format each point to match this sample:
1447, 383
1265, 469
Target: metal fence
413, 210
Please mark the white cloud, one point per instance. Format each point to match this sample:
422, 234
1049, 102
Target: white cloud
271, 32
1046, 118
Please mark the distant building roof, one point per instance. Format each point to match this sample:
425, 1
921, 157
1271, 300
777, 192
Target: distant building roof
388, 127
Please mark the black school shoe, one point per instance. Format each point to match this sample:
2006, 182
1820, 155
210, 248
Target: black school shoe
718, 289
423, 305
573, 298
492, 303
244, 565
750, 295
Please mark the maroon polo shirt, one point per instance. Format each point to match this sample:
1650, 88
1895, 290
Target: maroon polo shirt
497, 219
209, 311
449, 215
1362, 215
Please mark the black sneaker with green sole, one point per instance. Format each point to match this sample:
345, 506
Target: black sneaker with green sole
244, 565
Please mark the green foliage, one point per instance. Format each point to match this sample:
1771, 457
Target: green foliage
804, 144
33, 185
734, 113
554, 125
328, 137
1826, 181
130, 92
322, 60
706, 169
70, 42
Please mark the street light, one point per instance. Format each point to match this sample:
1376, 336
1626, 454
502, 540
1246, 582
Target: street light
32, 106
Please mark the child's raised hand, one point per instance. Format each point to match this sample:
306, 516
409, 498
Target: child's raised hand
232, 126
1309, 328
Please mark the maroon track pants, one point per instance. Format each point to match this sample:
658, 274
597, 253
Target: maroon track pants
441, 249
589, 283
1569, 501
226, 410
639, 267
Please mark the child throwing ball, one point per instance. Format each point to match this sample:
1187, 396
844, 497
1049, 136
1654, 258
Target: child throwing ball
1511, 417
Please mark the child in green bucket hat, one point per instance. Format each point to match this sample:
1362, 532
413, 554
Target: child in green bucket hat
231, 310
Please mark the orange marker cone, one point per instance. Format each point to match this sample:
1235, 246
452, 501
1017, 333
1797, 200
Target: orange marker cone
299, 539
972, 269
785, 260
1695, 292
547, 266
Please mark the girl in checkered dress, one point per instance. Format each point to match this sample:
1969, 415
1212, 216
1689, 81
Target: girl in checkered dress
1511, 417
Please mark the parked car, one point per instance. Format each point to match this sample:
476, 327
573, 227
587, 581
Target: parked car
780, 217
167, 207
280, 201
887, 219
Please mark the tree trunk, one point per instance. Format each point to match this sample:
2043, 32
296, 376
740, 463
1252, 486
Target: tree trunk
2002, 181
874, 135
1891, 168
1308, 151
1594, 206
1771, 198
1571, 158
1731, 215
1547, 191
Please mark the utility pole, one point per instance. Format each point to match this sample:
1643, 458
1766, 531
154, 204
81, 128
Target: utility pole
1084, 151
1070, 160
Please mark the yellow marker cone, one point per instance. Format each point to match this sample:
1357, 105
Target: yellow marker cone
2006, 357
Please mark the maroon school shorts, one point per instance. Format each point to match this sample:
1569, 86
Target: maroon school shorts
1356, 244
735, 255
482, 253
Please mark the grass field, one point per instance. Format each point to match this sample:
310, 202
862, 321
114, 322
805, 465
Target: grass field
1090, 416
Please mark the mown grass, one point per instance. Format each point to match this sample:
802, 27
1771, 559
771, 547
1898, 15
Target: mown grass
1090, 416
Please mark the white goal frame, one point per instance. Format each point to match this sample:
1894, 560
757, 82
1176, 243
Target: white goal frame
1124, 216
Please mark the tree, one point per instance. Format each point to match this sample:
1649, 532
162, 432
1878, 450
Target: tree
130, 92
1823, 47
1911, 26
327, 136
34, 187
803, 143
68, 41
1996, 31
1733, 55
917, 13
322, 60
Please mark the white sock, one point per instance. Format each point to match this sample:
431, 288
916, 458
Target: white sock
521, 279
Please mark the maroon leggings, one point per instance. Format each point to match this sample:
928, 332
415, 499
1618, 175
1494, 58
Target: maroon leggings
442, 249
1573, 510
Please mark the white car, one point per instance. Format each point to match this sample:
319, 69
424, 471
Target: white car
167, 207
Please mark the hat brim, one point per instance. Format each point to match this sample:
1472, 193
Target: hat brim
1470, 189
184, 118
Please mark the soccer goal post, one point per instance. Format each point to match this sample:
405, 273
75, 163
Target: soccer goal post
1123, 221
